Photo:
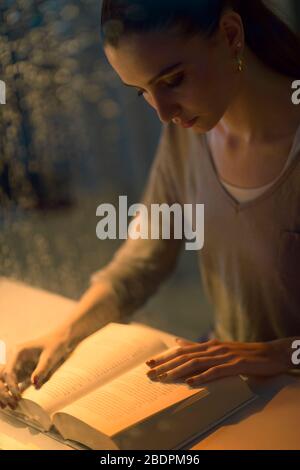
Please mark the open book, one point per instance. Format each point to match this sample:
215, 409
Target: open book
102, 398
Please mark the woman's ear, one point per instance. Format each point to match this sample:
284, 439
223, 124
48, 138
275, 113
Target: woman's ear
232, 30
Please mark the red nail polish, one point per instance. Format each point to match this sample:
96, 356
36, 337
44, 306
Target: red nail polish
151, 363
151, 373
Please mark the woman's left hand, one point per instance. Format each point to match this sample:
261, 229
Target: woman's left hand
198, 363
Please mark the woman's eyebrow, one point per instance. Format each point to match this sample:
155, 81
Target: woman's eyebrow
163, 72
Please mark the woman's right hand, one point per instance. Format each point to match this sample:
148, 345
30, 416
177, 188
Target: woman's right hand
32, 363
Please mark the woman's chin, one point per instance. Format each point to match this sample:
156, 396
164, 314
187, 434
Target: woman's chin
201, 128
204, 126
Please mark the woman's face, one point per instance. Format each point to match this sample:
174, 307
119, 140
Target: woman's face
188, 78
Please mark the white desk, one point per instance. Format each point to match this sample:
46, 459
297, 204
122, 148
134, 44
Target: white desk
271, 422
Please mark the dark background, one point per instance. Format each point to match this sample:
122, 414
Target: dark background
72, 137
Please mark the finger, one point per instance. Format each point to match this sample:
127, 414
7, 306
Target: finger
42, 372
10, 370
155, 372
24, 385
3, 393
172, 364
191, 367
5, 398
187, 352
12, 384
215, 373
11, 402
177, 351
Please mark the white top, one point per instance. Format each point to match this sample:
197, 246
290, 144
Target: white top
245, 194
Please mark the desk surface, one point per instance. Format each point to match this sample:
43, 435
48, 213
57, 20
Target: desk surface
270, 422
27, 313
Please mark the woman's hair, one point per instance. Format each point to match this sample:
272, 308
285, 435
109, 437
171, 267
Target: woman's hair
268, 37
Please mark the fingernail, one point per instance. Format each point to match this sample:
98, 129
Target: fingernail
151, 363
162, 376
152, 374
37, 382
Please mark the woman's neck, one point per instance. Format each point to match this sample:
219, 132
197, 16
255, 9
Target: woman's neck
262, 109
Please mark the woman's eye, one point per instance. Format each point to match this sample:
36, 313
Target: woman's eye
170, 83
174, 81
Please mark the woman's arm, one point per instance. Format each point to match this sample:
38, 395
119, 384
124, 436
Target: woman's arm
97, 307
139, 267
117, 290
134, 274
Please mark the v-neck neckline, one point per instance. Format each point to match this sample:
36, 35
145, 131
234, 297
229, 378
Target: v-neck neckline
240, 206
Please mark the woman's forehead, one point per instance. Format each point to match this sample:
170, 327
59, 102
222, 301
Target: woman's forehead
142, 56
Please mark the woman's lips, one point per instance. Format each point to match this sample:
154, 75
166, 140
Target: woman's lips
187, 124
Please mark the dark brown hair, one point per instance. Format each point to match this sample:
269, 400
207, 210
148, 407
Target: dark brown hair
269, 38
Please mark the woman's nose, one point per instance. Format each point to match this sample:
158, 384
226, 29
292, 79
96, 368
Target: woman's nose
166, 110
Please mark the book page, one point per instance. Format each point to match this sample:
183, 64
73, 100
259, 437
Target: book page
130, 398
100, 358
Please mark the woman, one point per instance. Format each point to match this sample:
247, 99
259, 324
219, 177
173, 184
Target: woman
219, 75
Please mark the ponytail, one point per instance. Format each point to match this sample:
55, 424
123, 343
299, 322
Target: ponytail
269, 38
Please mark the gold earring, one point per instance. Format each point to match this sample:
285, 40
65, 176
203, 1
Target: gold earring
240, 64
